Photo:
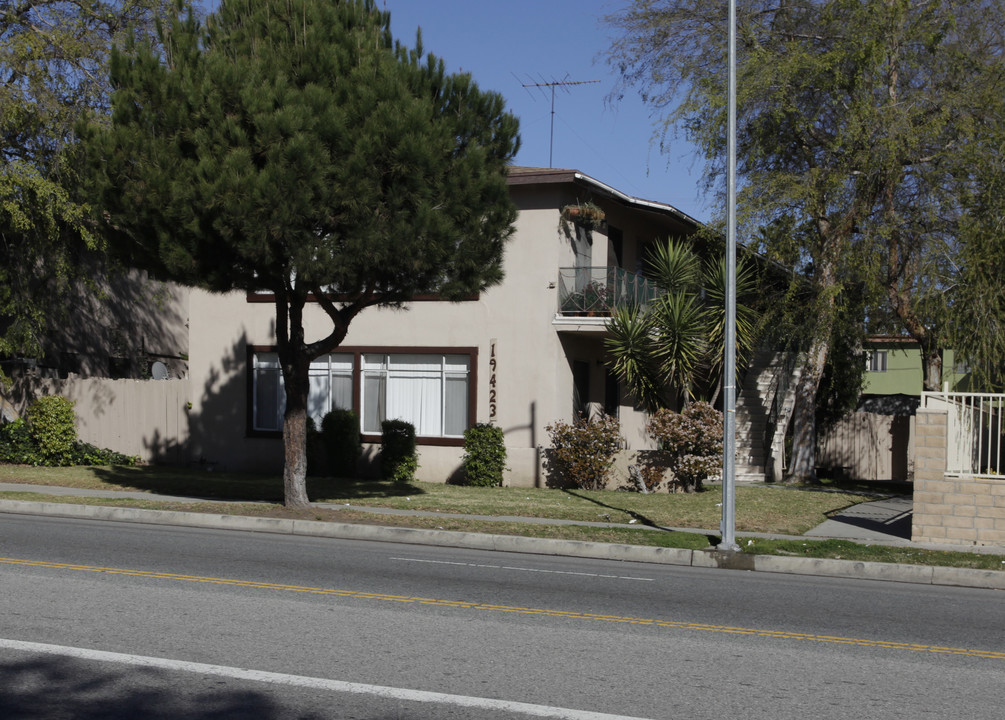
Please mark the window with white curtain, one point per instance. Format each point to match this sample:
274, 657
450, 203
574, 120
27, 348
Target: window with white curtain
331, 385
429, 391
330, 378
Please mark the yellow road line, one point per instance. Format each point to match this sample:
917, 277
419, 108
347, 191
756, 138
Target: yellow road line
569, 614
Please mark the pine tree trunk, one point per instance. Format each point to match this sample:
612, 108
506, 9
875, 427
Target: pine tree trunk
296, 370
295, 442
295, 466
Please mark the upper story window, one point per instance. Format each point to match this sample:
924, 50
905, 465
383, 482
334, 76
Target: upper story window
876, 360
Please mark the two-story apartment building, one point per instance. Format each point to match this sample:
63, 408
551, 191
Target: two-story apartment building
521, 355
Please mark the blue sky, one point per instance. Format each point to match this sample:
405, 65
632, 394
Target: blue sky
505, 45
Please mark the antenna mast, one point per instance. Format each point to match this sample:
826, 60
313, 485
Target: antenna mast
553, 84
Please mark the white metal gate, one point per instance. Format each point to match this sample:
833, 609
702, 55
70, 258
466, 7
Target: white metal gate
974, 440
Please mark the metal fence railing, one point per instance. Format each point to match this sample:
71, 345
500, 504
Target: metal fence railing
975, 444
599, 290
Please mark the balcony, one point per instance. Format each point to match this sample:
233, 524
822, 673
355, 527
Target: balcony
597, 291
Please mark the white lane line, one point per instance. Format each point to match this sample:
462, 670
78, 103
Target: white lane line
313, 683
522, 569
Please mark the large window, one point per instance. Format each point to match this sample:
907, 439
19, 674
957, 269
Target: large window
429, 389
330, 388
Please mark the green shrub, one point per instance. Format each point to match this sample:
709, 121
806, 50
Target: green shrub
342, 443
690, 444
404, 470
53, 427
581, 454
17, 446
20, 446
398, 461
484, 456
87, 454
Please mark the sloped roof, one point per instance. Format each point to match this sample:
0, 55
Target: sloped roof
522, 175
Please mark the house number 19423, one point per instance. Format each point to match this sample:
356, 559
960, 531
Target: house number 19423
492, 382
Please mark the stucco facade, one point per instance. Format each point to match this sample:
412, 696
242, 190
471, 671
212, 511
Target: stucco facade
525, 360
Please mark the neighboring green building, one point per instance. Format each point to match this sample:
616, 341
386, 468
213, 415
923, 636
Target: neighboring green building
877, 441
893, 367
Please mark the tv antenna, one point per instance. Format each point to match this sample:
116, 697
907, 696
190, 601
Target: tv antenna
554, 84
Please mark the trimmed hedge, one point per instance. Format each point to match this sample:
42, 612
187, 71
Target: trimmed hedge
398, 460
342, 444
484, 456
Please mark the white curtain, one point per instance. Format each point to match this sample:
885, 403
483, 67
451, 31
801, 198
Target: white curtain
429, 391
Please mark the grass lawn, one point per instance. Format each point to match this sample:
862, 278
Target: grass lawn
758, 509
761, 509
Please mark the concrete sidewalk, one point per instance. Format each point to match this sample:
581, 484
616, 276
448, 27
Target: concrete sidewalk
883, 522
887, 520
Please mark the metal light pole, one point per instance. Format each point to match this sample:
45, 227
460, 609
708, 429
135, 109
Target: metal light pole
728, 526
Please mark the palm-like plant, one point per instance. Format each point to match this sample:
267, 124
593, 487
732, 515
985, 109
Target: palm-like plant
676, 344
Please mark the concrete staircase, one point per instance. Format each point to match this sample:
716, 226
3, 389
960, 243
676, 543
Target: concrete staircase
763, 405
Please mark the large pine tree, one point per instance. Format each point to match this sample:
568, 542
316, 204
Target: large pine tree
291, 146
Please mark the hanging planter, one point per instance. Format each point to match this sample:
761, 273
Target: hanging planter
586, 215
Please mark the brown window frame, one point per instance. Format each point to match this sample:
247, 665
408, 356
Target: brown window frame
357, 352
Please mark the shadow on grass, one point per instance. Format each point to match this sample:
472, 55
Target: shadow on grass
323, 488
713, 539
878, 487
208, 485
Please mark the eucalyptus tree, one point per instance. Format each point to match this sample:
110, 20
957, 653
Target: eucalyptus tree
977, 293
291, 146
674, 346
53, 56
859, 118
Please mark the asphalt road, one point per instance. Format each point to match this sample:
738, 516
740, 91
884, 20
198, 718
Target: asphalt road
113, 620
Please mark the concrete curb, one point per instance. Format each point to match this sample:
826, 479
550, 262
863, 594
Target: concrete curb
713, 559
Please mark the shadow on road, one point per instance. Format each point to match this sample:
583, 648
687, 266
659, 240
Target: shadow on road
56, 687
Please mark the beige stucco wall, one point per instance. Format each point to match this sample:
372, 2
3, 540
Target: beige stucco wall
533, 359
118, 330
533, 381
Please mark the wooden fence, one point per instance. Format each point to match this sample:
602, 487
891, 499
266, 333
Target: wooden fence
147, 418
869, 446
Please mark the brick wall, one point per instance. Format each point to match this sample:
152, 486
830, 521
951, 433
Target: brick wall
949, 509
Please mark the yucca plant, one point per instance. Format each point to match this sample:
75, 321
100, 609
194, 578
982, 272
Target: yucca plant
676, 344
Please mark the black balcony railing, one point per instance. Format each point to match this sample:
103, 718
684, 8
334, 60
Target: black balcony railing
597, 291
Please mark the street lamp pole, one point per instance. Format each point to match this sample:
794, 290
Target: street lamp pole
728, 526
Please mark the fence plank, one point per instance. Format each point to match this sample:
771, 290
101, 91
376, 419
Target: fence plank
146, 418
